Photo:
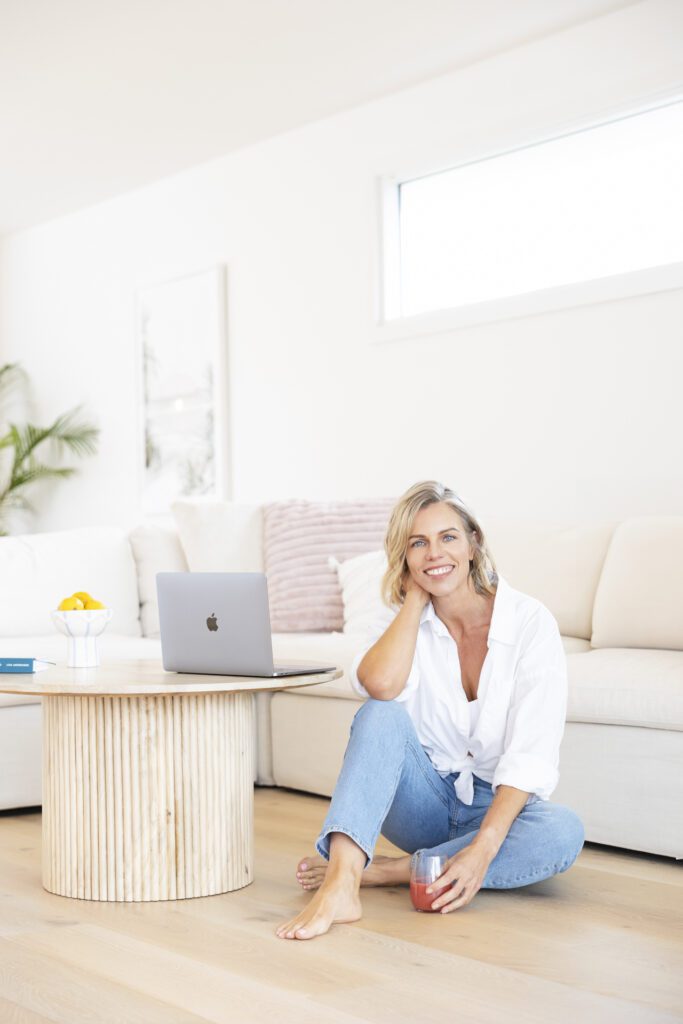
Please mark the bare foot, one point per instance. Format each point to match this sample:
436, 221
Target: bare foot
336, 902
311, 871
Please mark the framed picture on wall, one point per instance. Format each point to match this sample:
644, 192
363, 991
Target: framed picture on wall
184, 371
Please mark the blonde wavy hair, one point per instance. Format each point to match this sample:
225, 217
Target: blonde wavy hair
482, 568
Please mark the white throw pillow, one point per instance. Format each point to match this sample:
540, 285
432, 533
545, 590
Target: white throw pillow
220, 536
37, 570
156, 548
360, 579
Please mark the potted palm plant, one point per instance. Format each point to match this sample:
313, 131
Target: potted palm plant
19, 443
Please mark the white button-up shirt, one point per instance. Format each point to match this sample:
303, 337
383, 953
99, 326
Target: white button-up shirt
521, 700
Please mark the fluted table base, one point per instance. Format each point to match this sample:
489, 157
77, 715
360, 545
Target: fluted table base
147, 797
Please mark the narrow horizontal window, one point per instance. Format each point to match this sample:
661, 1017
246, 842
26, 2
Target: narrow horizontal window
596, 203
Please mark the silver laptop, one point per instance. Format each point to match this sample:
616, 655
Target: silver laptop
218, 623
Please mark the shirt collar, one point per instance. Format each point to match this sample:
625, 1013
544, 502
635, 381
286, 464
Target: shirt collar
503, 619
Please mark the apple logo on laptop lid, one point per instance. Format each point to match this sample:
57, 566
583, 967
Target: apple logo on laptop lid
212, 622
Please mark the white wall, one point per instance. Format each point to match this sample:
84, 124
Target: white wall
576, 412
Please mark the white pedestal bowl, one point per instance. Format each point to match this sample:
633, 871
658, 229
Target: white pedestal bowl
82, 629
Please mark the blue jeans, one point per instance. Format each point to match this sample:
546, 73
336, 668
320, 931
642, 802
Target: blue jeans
387, 783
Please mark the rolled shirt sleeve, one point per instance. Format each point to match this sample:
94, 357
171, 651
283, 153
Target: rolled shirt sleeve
536, 717
379, 627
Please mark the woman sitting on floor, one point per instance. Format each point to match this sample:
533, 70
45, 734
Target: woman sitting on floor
456, 750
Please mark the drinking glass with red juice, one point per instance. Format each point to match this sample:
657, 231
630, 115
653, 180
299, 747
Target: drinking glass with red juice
425, 868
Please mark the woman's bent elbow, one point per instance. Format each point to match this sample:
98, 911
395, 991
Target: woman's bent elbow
380, 689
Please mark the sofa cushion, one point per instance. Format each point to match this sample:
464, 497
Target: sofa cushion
574, 644
298, 539
220, 536
336, 649
156, 548
627, 687
622, 687
557, 563
37, 570
639, 601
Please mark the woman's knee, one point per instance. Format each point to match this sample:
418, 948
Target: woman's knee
564, 831
380, 724
544, 840
375, 712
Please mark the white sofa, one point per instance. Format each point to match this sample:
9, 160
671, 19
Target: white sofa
615, 589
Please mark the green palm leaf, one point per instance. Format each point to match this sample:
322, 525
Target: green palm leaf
79, 437
11, 377
66, 431
69, 432
33, 473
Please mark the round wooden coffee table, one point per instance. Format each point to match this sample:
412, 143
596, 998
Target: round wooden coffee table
147, 779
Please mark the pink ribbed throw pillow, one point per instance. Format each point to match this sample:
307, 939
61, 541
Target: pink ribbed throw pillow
298, 539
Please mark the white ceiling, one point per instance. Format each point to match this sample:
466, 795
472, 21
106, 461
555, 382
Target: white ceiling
101, 96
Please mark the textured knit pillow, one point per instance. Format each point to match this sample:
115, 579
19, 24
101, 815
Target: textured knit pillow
298, 539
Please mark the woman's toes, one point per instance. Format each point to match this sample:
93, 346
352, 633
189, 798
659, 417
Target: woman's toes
310, 871
313, 880
309, 863
290, 930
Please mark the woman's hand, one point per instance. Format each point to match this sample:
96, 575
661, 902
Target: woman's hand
408, 585
466, 872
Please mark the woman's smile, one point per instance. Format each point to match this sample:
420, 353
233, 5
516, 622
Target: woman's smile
439, 570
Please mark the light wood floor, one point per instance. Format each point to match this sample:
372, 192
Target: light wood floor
601, 943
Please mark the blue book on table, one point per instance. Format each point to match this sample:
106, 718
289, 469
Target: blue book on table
20, 665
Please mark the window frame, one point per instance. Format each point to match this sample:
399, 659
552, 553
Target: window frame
389, 325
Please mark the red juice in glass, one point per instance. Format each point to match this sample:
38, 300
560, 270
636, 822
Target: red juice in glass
424, 871
422, 900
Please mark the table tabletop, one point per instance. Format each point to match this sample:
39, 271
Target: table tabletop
145, 677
